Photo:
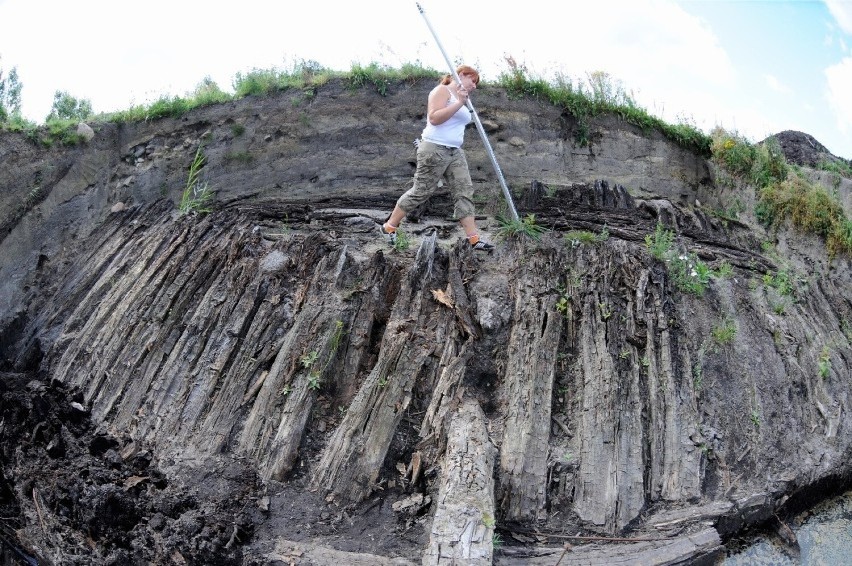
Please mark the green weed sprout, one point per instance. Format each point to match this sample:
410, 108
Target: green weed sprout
521, 229
196, 195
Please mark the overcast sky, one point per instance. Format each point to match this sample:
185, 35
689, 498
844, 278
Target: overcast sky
754, 67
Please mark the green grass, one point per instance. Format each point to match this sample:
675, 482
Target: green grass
575, 238
598, 94
842, 168
197, 196
382, 77
522, 229
724, 333
243, 157
61, 131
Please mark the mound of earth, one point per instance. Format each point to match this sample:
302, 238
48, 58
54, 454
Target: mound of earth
803, 149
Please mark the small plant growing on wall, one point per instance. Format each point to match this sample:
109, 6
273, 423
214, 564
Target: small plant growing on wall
520, 229
197, 196
824, 362
688, 273
724, 333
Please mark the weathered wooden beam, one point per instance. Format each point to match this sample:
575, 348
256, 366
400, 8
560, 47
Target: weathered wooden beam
530, 370
352, 460
702, 547
463, 525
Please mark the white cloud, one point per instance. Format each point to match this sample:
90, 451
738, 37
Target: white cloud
841, 11
776, 85
839, 94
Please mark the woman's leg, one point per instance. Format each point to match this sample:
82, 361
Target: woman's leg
468, 223
458, 175
431, 163
395, 218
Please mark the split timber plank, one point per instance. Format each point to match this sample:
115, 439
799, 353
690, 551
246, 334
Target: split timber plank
530, 371
351, 462
703, 547
463, 526
304, 553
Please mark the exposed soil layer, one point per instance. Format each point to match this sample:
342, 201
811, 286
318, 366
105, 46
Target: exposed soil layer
271, 383
101, 500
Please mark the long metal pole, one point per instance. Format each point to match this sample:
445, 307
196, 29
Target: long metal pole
479, 128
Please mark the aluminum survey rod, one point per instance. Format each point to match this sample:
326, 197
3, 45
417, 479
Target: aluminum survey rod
479, 127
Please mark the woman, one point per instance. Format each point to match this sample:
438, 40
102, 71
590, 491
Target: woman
439, 155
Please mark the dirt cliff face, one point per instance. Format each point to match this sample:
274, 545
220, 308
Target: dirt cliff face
271, 383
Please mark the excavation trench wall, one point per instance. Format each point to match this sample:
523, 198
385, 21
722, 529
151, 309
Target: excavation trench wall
279, 331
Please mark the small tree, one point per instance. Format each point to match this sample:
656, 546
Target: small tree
66, 107
10, 94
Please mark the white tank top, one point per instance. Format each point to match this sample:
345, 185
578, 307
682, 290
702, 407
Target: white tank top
451, 132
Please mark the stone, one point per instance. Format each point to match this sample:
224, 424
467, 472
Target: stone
85, 131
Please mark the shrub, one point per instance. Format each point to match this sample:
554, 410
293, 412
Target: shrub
810, 208
208, 92
733, 151
839, 167
402, 242
660, 243
770, 165
783, 192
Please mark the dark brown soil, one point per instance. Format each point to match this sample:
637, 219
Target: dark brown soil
106, 496
107, 499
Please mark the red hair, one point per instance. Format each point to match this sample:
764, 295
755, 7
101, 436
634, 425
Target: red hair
466, 70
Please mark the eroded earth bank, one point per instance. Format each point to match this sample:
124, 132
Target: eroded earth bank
270, 383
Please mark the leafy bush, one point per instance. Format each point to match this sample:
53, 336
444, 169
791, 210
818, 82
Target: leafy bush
810, 208
660, 243
733, 151
208, 92
402, 241
770, 165
840, 167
